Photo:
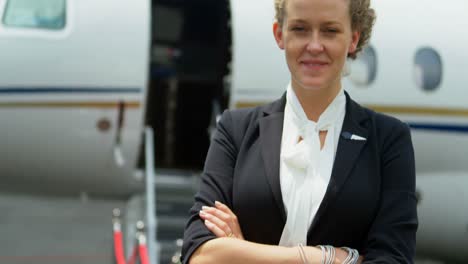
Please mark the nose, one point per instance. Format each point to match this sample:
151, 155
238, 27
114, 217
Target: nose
314, 44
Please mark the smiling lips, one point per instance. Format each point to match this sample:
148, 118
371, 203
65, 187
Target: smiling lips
313, 64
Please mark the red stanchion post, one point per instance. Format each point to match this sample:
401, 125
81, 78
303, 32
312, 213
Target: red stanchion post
141, 238
139, 249
118, 238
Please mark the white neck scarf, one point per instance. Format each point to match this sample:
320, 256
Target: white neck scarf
304, 158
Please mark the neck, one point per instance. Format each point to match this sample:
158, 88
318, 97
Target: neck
314, 102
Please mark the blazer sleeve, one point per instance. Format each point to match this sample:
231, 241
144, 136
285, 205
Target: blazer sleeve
215, 185
392, 236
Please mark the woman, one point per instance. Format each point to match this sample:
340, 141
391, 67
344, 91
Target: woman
312, 168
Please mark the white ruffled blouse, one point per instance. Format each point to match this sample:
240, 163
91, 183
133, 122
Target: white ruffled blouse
305, 169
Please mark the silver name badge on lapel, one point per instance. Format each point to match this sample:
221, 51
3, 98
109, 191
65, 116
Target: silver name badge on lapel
351, 136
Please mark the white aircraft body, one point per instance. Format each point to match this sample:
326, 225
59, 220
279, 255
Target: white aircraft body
80, 80
60, 83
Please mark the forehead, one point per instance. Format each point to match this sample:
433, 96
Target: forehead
332, 10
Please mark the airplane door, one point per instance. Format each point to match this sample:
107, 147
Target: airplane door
73, 80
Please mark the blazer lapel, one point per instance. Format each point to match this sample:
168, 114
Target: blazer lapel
271, 130
346, 156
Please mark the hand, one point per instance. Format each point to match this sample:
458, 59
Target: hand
221, 221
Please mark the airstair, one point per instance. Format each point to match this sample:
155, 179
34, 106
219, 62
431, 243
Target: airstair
163, 208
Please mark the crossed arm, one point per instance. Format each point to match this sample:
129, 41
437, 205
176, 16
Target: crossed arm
231, 248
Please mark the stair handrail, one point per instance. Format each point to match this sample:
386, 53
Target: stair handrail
150, 195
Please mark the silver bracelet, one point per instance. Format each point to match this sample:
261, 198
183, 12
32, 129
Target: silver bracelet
328, 254
324, 254
353, 256
331, 254
348, 257
302, 253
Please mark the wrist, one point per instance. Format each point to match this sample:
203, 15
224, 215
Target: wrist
291, 255
313, 255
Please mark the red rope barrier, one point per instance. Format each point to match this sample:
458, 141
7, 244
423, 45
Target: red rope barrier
139, 249
143, 254
118, 247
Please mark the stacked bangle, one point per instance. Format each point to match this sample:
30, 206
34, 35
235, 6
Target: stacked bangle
302, 253
353, 255
324, 254
329, 253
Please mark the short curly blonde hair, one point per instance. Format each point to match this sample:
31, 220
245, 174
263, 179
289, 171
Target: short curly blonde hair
362, 20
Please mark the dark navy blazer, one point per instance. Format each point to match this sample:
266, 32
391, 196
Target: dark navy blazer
370, 202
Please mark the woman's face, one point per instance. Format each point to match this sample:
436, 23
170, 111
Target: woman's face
317, 37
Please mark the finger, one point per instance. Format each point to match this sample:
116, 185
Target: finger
223, 208
218, 213
230, 220
234, 224
216, 221
213, 228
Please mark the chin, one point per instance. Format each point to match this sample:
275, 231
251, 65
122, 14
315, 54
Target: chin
311, 85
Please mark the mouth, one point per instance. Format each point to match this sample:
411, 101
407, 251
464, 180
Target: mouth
314, 64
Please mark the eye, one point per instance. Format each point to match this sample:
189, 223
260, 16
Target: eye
331, 30
298, 28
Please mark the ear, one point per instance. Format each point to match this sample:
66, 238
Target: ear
278, 33
356, 35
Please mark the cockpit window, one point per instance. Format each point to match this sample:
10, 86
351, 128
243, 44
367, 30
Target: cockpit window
41, 14
428, 69
363, 70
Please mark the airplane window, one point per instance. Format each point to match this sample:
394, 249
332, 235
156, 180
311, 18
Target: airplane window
363, 69
42, 14
428, 69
